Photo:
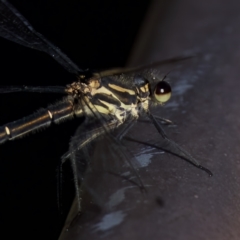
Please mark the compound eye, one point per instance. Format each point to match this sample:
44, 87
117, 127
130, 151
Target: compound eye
162, 92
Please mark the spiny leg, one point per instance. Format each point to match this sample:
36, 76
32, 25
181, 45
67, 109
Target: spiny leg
126, 129
81, 139
164, 120
173, 147
160, 119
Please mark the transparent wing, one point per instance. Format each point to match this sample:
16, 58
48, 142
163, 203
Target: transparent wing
97, 157
14, 27
37, 89
157, 64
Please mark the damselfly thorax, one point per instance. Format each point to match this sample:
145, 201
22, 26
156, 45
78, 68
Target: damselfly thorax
119, 99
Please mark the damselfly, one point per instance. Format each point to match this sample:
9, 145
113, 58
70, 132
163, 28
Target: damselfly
110, 100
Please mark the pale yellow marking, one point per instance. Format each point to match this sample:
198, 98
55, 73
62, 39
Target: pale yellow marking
113, 106
145, 88
134, 111
94, 83
108, 92
101, 109
113, 109
163, 98
102, 90
120, 114
50, 114
121, 89
145, 105
110, 106
7, 130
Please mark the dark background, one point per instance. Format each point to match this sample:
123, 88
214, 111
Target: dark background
94, 34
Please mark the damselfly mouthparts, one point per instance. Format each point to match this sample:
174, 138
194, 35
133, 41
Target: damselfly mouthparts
110, 100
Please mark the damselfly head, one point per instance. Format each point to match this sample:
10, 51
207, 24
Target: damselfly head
142, 86
161, 91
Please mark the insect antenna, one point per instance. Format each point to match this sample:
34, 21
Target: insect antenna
166, 75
